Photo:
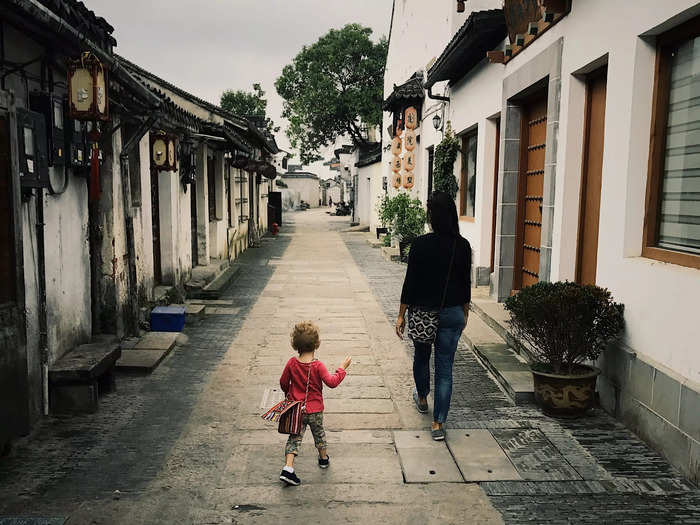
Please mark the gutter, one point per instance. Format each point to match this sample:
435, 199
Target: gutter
436, 97
40, 12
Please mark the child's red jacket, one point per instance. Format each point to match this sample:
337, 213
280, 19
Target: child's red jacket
293, 382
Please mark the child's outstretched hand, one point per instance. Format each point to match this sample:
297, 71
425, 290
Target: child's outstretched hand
346, 363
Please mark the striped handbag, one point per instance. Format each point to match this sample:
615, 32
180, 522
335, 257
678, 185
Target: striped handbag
289, 413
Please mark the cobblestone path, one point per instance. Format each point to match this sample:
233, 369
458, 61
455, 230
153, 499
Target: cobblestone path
588, 470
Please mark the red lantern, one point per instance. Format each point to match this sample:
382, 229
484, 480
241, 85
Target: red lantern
87, 89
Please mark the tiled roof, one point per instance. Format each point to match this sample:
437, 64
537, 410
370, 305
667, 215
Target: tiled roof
235, 119
482, 32
370, 154
410, 91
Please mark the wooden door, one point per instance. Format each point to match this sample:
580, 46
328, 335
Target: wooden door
531, 185
591, 178
14, 400
155, 217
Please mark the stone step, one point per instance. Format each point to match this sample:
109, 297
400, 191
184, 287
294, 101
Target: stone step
391, 254
216, 286
193, 312
146, 353
496, 317
510, 369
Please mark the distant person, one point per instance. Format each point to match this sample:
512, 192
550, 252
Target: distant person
302, 380
438, 281
330, 202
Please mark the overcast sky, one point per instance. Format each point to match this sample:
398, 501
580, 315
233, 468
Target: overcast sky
208, 46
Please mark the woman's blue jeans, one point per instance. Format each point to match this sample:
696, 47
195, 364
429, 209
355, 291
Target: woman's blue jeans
449, 330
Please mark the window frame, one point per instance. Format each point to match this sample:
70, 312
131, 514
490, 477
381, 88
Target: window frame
463, 178
657, 146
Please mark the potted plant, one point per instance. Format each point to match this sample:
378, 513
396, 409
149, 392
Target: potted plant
407, 218
565, 325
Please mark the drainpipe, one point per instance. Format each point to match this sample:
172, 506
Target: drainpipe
436, 97
131, 144
41, 285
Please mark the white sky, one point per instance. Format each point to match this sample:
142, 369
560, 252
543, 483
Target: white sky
208, 46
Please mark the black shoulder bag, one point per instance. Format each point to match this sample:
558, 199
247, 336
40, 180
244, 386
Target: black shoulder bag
423, 324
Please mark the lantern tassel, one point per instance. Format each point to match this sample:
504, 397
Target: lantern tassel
95, 190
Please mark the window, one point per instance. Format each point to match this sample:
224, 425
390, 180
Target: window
672, 225
467, 186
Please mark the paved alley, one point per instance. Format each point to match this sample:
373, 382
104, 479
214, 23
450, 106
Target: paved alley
186, 443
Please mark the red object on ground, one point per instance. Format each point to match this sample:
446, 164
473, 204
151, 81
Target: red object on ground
95, 190
275, 228
296, 372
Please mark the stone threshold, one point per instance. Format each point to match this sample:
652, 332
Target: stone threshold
211, 281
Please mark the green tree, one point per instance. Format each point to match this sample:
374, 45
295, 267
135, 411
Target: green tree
248, 104
331, 87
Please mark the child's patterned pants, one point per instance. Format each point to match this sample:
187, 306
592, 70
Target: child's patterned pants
315, 421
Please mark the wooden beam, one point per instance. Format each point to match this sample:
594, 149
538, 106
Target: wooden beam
496, 57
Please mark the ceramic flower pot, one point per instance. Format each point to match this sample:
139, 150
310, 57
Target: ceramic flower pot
562, 395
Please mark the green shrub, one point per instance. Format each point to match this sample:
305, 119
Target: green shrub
565, 323
404, 216
444, 163
386, 240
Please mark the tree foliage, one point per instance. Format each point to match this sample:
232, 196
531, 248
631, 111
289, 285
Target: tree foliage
248, 104
331, 87
444, 164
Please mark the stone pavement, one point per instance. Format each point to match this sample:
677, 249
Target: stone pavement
186, 443
588, 470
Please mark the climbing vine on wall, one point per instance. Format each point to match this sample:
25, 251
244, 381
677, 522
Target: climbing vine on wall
443, 171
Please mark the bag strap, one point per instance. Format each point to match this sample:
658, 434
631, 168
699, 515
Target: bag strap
308, 380
449, 271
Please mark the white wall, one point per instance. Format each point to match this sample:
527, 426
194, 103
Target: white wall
307, 188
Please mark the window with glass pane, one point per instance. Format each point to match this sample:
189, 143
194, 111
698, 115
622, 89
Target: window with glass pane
468, 179
679, 200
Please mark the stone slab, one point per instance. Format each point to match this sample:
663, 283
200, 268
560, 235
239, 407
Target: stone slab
141, 360
157, 341
424, 460
220, 302
359, 406
264, 437
479, 457
533, 455
85, 362
31, 521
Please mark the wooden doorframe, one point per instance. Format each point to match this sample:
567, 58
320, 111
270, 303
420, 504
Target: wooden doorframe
495, 192
589, 78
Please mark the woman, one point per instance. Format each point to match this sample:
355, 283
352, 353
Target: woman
432, 284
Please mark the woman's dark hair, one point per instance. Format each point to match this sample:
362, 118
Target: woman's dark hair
442, 214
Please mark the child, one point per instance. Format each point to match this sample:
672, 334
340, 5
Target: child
305, 340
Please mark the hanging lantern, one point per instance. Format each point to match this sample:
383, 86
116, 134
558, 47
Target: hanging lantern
411, 118
409, 161
163, 151
87, 89
396, 146
396, 163
410, 140
397, 180
399, 128
407, 179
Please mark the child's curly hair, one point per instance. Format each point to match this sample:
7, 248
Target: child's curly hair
305, 337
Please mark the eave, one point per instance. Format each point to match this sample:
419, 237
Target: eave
482, 32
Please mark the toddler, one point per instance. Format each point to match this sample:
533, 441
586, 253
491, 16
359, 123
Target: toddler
305, 340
